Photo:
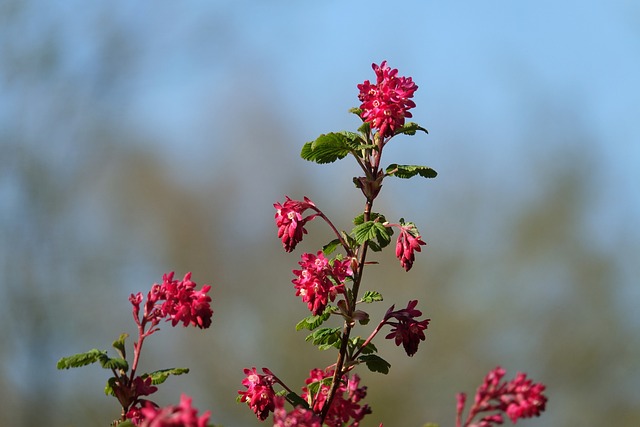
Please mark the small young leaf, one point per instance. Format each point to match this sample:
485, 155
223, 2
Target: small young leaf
375, 363
108, 389
409, 171
371, 296
119, 344
314, 387
325, 338
81, 359
158, 377
331, 246
296, 400
410, 128
373, 216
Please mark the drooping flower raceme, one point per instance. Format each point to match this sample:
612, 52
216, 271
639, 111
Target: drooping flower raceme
386, 104
345, 408
409, 241
320, 280
259, 394
406, 330
298, 417
518, 398
290, 221
182, 415
175, 300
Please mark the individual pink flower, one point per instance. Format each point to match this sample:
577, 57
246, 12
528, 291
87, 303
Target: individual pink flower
407, 330
518, 398
182, 415
290, 221
259, 395
408, 243
298, 417
346, 409
386, 104
320, 280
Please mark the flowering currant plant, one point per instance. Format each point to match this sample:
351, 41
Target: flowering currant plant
330, 283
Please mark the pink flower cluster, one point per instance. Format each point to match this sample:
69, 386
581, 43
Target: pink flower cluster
386, 103
259, 394
298, 417
406, 329
408, 243
290, 221
345, 408
518, 398
182, 415
175, 300
320, 280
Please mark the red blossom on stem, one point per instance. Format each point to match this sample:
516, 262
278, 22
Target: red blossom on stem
298, 417
259, 394
290, 221
386, 104
518, 398
182, 415
409, 241
320, 280
345, 406
407, 330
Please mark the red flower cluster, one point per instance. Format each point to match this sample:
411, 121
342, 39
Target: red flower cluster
407, 330
386, 103
298, 417
344, 407
290, 221
175, 300
409, 241
320, 280
182, 415
518, 398
259, 394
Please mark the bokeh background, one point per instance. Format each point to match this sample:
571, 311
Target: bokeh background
143, 137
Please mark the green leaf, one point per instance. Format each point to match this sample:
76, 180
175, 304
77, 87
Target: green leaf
81, 359
409, 171
115, 363
296, 400
373, 216
356, 111
126, 423
410, 128
331, 246
108, 389
371, 296
325, 338
158, 377
119, 344
364, 232
373, 230
312, 322
375, 363
314, 387
328, 148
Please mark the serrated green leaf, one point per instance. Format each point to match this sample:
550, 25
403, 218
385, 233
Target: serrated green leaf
327, 148
115, 363
364, 232
331, 246
410, 128
158, 377
325, 338
409, 171
375, 363
81, 359
312, 322
371, 296
373, 216
356, 111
